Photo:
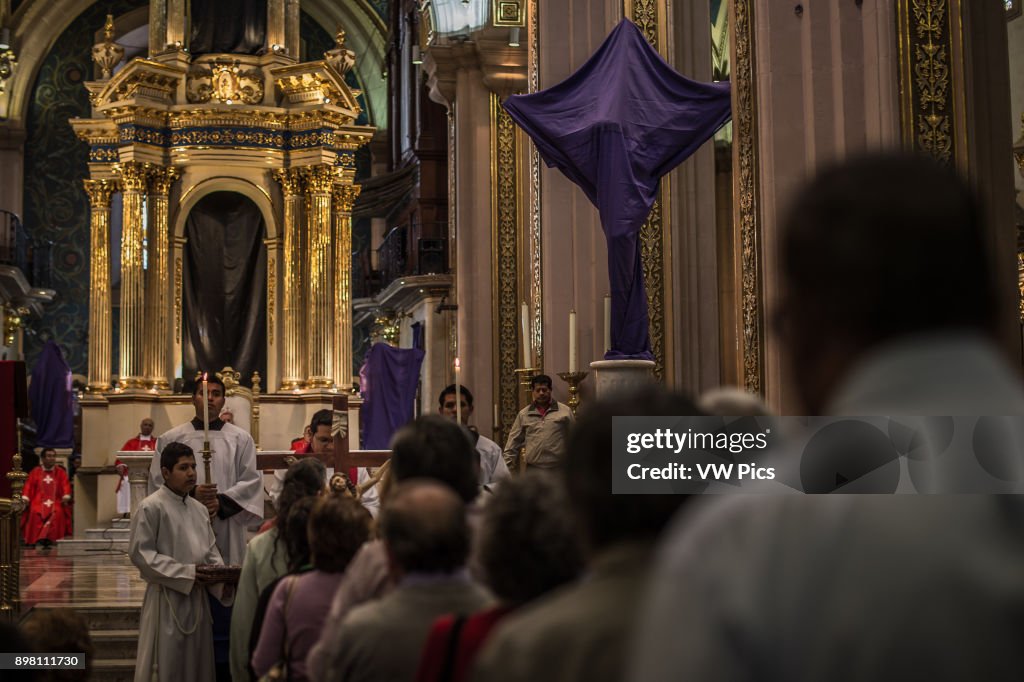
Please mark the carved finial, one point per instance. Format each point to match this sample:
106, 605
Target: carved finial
107, 54
340, 57
108, 29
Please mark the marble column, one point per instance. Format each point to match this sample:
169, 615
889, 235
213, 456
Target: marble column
132, 327
100, 313
344, 197
320, 322
158, 280
293, 360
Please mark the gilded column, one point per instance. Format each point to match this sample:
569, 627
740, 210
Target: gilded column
158, 279
100, 322
133, 184
293, 353
320, 322
344, 198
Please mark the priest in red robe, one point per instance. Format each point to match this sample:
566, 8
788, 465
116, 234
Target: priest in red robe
47, 493
144, 442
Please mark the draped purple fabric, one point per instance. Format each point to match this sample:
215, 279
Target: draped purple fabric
391, 377
50, 395
614, 127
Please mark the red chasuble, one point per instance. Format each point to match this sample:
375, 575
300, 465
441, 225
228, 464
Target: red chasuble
47, 518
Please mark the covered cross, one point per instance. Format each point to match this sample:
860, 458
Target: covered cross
615, 127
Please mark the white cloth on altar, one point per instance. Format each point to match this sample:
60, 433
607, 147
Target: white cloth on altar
233, 466
170, 535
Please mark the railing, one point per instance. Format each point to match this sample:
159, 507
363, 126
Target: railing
34, 257
10, 546
397, 257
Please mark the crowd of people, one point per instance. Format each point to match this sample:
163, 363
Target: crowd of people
519, 563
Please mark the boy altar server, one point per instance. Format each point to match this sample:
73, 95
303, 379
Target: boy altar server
234, 498
173, 546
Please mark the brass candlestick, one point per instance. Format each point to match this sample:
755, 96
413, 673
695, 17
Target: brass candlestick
574, 379
206, 462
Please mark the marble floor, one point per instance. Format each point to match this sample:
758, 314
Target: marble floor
103, 579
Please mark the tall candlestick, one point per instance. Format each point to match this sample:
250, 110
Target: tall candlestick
458, 393
572, 341
607, 323
526, 335
206, 411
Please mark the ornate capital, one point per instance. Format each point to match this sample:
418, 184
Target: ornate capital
290, 180
99, 192
319, 179
344, 196
133, 176
161, 179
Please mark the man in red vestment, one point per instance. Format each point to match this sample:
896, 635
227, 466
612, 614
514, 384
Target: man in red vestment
48, 495
144, 442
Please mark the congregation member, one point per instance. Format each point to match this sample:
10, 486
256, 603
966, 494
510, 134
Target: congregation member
528, 547
320, 443
174, 547
234, 498
47, 496
337, 528
432, 448
267, 559
492, 464
581, 632
539, 433
890, 308
423, 525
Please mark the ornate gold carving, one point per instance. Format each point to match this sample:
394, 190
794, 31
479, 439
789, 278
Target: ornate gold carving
925, 81
100, 312
320, 326
452, 348
271, 291
157, 326
645, 16
747, 191
131, 342
107, 54
178, 279
535, 242
651, 258
293, 311
504, 210
224, 80
343, 198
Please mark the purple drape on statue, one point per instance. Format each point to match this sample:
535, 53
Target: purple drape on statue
391, 376
50, 395
614, 127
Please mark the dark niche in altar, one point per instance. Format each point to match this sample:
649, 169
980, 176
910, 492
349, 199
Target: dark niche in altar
228, 26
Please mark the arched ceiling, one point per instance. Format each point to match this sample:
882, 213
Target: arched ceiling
37, 25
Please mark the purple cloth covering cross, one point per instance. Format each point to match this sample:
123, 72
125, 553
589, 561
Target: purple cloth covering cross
614, 127
390, 393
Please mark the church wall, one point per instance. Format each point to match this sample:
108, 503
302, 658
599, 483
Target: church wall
826, 88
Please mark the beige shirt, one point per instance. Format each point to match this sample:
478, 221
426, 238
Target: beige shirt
541, 438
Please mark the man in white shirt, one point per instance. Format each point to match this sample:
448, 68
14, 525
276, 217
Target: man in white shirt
492, 464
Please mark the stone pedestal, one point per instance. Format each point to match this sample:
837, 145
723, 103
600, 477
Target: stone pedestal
612, 377
138, 475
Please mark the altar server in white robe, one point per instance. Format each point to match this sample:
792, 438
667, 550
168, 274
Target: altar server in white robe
235, 497
173, 546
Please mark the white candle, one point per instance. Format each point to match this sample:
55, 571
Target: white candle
607, 323
458, 393
526, 335
206, 411
572, 341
